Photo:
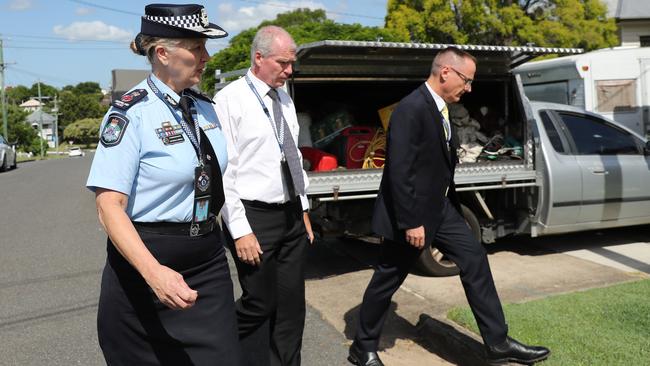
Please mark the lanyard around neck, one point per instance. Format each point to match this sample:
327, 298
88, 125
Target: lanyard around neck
279, 132
196, 142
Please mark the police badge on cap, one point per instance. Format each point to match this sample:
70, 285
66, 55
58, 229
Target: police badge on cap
179, 21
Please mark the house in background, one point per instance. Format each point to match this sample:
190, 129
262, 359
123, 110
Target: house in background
31, 105
48, 121
632, 19
124, 80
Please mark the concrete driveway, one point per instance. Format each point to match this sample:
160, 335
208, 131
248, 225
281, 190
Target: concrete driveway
417, 331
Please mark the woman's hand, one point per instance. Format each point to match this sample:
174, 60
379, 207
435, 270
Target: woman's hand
167, 284
170, 288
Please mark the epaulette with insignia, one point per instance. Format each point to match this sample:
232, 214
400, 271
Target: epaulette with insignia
127, 100
199, 95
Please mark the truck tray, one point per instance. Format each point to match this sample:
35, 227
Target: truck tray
340, 182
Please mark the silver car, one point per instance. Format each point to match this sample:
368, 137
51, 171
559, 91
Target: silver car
7, 155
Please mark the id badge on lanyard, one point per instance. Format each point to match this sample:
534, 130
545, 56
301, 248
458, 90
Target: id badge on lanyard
202, 195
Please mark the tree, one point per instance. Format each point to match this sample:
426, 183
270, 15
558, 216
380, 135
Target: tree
18, 94
304, 25
73, 107
46, 91
84, 131
19, 131
86, 87
545, 23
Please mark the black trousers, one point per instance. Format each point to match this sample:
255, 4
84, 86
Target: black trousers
455, 240
135, 328
273, 298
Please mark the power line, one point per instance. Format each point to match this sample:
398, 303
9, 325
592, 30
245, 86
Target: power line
68, 48
299, 7
42, 76
56, 38
88, 3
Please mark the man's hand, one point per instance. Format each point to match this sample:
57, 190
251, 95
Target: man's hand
415, 237
248, 249
310, 232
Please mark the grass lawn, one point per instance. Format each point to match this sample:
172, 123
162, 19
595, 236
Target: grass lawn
605, 326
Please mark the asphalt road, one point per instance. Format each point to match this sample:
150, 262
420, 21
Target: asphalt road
52, 252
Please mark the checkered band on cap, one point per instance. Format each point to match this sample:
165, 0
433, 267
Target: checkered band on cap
179, 21
194, 21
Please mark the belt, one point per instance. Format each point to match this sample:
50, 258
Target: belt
270, 206
177, 228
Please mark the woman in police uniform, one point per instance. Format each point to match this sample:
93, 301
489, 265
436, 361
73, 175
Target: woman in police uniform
166, 294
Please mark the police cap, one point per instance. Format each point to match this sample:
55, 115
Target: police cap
179, 21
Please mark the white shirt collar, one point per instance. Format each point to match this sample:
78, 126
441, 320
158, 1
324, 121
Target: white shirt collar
261, 87
440, 103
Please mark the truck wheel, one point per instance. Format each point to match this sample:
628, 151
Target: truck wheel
433, 263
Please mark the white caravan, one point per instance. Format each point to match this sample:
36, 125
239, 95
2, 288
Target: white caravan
613, 82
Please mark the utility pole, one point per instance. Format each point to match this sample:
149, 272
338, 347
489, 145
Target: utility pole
40, 123
56, 122
2, 92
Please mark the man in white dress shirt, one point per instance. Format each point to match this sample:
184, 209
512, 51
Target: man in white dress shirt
266, 206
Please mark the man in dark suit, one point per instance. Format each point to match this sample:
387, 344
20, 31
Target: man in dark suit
417, 205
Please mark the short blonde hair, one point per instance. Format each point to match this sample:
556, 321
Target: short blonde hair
146, 45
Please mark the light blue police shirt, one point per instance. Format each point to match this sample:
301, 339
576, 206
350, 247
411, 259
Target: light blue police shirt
149, 162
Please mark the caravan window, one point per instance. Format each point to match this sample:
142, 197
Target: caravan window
550, 92
616, 95
645, 41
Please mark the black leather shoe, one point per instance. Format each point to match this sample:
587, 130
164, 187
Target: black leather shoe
512, 351
361, 358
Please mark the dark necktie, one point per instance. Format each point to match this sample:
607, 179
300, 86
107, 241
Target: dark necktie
185, 104
289, 146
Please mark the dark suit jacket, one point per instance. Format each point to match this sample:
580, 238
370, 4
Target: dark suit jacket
417, 172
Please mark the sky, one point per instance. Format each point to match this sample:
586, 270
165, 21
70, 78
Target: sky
65, 42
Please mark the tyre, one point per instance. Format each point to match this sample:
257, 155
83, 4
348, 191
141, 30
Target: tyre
3, 167
433, 263
15, 164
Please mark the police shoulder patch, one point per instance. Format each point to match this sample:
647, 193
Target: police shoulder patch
199, 95
129, 99
113, 129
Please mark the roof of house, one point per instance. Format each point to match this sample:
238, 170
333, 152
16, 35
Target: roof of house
31, 103
35, 117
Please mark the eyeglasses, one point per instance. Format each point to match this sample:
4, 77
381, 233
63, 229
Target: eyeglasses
466, 80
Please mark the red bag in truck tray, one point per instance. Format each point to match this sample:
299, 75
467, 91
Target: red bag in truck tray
355, 140
320, 160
